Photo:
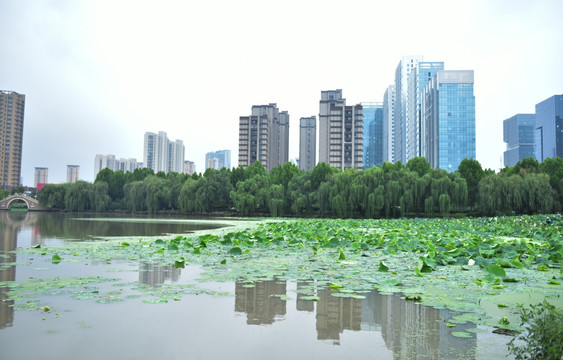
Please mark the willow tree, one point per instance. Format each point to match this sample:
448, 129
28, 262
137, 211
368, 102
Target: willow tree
78, 196
187, 197
444, 202
135, 196
250, 195
100, 200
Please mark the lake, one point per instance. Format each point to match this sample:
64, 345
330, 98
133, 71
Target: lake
114, 309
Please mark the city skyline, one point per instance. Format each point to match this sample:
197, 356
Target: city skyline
85, 95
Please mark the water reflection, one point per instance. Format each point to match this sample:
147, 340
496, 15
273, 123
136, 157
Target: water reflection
8, 243
155, 275
88, 226
261, 302
410, 330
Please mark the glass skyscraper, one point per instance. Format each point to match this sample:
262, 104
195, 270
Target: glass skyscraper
388, 123
518, 134
218, 159
549, 128
372, 134
449, 119
423, 74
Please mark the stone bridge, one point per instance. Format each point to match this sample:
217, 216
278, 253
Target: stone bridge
32, 204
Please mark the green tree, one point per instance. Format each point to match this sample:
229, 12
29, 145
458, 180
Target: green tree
157, 194
321, 172
444, 201
541, 339
78, 196
419, 165
53, 196
250, 195
4, 193
472, 172
135, 196
100, 199
553, 167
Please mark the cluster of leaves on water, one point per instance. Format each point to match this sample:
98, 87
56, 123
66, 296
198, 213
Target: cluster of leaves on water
439, 262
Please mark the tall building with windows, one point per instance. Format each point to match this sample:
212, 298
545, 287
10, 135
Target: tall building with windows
449, 119
329, 99
340, 131
549, 128
307, 143
72, 173
372, 134
264, 137
405, 124
176, 155
218, 159
518, 134
161, 154
420, 76
110, 162
189, 167
388, 124
41, 176
102, 162
12, 107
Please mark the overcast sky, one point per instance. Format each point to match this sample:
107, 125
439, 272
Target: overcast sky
99, 74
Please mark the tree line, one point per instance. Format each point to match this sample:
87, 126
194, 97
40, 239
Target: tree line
392, 190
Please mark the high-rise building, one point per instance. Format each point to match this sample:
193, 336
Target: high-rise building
405, 124
372, 134
418, 79
189, 167
12, 106
549, 128
102, 162
41, 176
160, 154
518, 134
449, 119
110, 162
388, 124
329, 99
340, 131
176, 155
218, 159
126, 165
264, 137
307, 143
72, 173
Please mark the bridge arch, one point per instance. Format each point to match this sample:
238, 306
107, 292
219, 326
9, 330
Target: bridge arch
31, 203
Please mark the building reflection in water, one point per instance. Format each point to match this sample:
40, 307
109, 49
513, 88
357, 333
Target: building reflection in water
304, 305
156, 275
261, 303
10, 225
408, 329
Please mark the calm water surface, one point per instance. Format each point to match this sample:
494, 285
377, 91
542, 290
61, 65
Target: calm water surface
267, 321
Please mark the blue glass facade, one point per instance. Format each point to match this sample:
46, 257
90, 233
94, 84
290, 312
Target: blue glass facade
425, 72
223, 157
518, 133
456, 124
372, 135
549, 128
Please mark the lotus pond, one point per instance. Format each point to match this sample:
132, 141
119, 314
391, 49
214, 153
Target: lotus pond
277, 289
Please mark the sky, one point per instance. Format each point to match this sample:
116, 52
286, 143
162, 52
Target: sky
99, 74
